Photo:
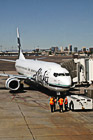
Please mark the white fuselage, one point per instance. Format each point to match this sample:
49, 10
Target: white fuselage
47, 74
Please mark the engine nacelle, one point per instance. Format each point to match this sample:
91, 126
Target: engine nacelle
12, 84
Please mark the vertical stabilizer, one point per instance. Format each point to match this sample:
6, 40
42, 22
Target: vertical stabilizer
21, 56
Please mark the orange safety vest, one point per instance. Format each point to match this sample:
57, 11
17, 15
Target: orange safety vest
51, 101
60, 101
66, 101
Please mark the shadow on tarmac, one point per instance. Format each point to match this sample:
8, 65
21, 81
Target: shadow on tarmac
86, 110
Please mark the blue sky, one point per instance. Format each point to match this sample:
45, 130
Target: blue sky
46, 23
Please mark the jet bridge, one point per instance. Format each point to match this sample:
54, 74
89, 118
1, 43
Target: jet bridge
84, 70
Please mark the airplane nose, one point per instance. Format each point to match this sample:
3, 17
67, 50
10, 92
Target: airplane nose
67, 82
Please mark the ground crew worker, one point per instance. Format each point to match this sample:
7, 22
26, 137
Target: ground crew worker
60, 101
52, 104
66, 103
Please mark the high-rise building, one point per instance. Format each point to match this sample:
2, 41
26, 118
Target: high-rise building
61, 48
91, 50
75, 49
83, 49
70, 48
54, 49
66, 49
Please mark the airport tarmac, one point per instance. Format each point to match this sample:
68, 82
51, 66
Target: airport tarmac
26, 116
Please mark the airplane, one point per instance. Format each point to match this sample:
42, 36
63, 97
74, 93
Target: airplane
47, 74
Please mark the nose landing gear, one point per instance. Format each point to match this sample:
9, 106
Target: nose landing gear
58, 93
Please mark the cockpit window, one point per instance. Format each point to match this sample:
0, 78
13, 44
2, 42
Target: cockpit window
67, 74
61, 74
55, 74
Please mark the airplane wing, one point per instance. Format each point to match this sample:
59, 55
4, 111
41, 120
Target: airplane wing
8, 60
13, 82
21, 77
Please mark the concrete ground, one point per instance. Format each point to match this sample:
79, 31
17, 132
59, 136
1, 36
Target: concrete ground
27, 116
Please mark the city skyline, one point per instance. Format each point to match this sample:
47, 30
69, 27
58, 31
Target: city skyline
46, 23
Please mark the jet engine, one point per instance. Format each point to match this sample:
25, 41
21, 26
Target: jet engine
12, 84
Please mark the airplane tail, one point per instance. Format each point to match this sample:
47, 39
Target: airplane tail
21, 56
